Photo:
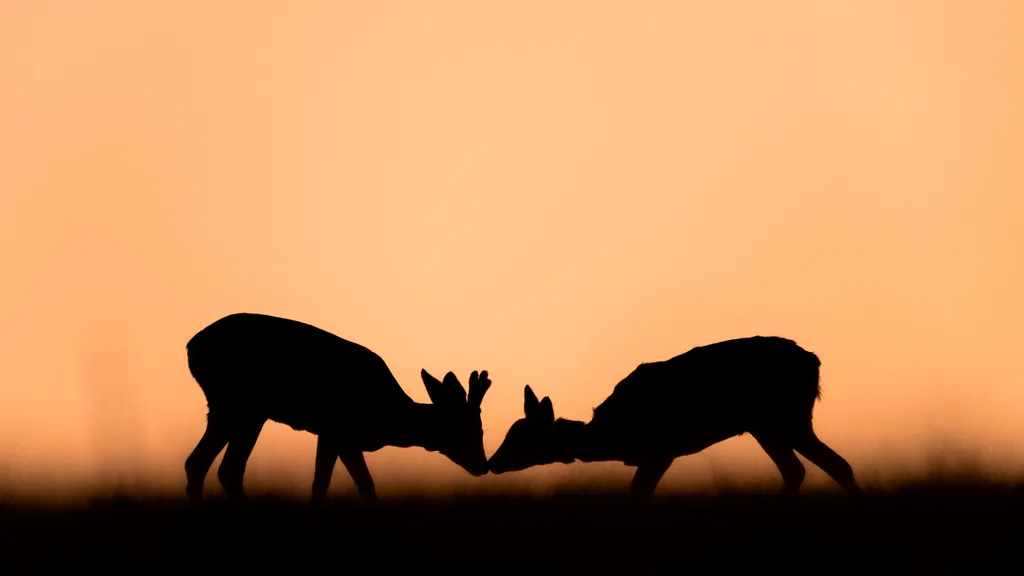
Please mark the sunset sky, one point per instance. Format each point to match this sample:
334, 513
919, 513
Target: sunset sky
551, 191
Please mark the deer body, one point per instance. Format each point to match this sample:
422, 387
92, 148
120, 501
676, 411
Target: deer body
764, 386
253, 368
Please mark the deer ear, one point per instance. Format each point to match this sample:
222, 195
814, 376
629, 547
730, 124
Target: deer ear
546, 411
433, 386
452, 389
530, 403
478, 386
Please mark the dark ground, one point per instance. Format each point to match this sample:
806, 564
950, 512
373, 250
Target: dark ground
930, 528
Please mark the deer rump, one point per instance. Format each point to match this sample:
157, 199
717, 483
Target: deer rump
708, 394
255, 366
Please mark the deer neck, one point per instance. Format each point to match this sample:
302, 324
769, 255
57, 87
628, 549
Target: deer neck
578, 441
417, 426
573, 441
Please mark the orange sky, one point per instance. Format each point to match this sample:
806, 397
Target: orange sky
554, 192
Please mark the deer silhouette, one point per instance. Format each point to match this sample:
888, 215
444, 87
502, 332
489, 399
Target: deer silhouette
764, 386
253, 368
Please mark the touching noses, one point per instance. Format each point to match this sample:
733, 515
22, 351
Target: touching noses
480, 468
494, 464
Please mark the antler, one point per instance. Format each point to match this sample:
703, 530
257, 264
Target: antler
478, 386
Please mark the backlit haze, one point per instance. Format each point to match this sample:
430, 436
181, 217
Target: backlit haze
551, 191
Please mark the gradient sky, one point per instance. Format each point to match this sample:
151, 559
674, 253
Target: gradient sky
552, 191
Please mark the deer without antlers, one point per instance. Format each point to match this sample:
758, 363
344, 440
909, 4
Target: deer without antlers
253, 368
765, 386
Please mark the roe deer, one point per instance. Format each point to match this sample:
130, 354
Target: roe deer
765, 386
254, 367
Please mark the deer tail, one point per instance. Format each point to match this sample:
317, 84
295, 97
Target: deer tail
812, 368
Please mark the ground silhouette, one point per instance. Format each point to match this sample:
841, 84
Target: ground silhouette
253, 368
966, 528
764, 386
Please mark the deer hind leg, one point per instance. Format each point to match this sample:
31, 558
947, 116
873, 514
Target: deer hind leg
785, 459
240, 444
326, 456
827, 459
198, 463
647, 477
355, 463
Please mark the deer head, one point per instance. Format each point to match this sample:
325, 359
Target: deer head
530, 441
459, 433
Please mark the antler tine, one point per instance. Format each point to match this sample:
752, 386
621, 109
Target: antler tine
478, 385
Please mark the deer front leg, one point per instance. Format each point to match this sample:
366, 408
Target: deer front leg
242, 440
356, 466
647, 477
326, 456
198, 463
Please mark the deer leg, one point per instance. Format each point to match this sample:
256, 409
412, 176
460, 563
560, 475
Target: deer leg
326, 456
240, 445
785, 459
355, 463
824, 457
647, 477
199, 461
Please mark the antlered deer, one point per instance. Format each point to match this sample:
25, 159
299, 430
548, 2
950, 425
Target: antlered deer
765, 386
254, 367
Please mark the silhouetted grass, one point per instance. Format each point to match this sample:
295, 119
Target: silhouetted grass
933, 526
